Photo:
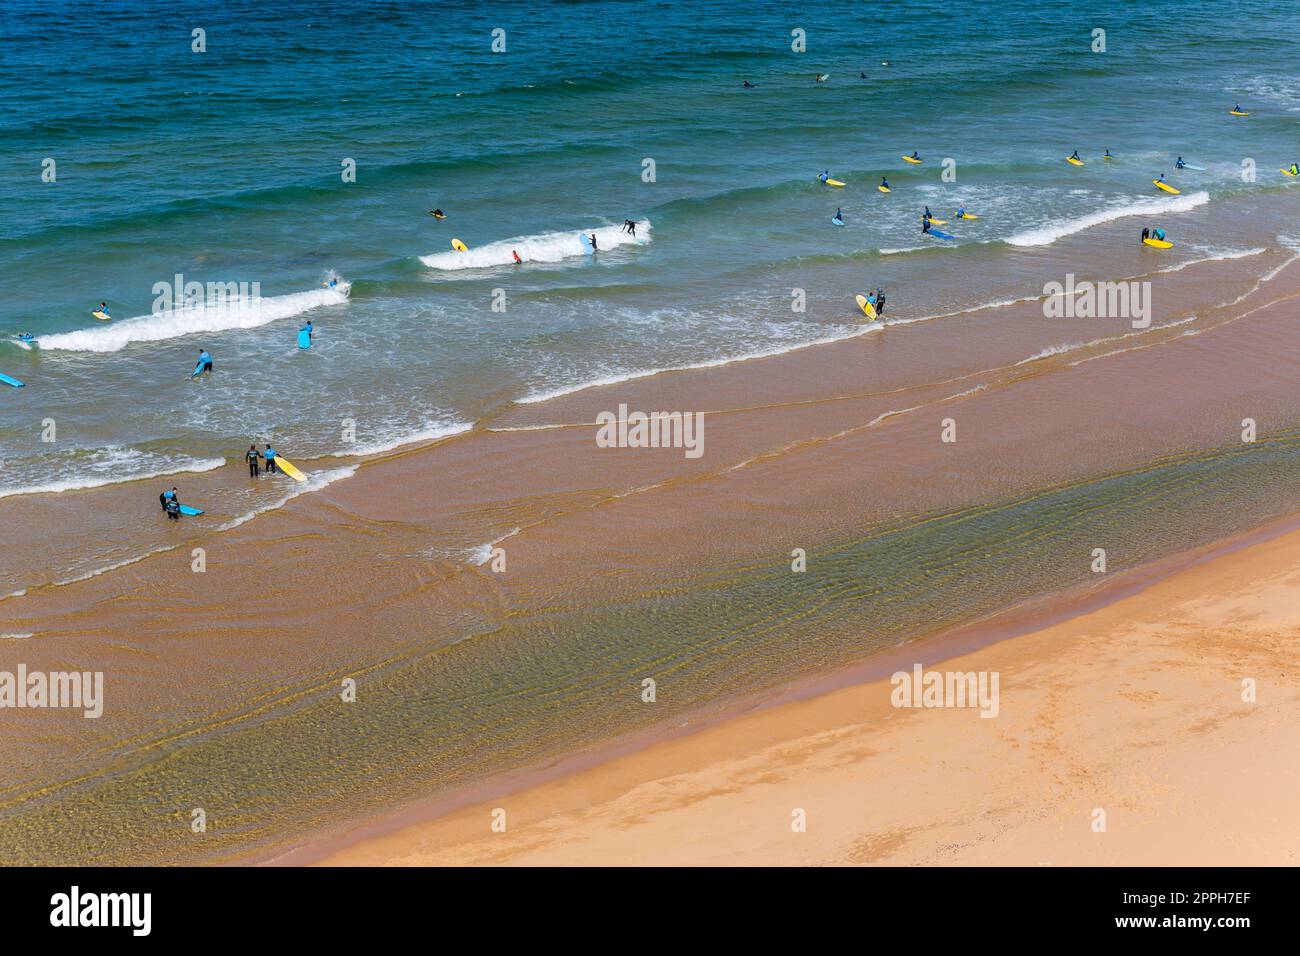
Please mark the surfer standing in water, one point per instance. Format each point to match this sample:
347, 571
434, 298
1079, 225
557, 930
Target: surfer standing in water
593, 242
252, 456
518, 261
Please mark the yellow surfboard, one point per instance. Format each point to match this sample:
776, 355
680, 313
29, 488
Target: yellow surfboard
459, 246
1236, 113
289, 468
1165, 186
937, 222
1159, 243
102, 316
883, 189
909, 159
832, 182
866, 306
965, 215
1286, 172
1074, 162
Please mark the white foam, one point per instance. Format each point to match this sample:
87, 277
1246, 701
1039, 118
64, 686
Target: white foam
15, 637
1215, 257
215, 317
314, 482
1049, 233
429, 432
616, 378
546, 247
112, 467
483, 553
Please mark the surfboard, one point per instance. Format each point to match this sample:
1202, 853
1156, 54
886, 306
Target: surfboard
10, 380
1159, 243
1165, 186
866, 306
1236, 113
1286, 172
883, 189
1199, 169
586, 244
290, 469
909, 159
937, 222
23, 344
459, 246
304, 339
837, 221
102, 316
1073, 162
939, 235
187, 510
823, 77
966, 215
832, 182
197, 369
1108, 157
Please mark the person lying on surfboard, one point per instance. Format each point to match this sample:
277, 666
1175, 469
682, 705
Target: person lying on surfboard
747, 85
437, 214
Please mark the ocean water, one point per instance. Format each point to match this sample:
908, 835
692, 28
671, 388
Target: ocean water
225, 167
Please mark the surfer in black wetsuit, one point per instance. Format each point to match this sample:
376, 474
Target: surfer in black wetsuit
880, 301
1075, 155
251, 456
437, 214
747, 85
593, 242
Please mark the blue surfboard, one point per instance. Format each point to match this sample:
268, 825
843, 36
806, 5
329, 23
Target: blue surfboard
835, 220
304, 339
197, 369
940, 235
586, 244
10, 380
187, 510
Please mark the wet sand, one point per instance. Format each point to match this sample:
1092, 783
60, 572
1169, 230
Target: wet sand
621, 563
1133, 712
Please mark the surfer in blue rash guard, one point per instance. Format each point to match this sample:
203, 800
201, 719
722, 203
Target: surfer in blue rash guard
205, 361
269, 455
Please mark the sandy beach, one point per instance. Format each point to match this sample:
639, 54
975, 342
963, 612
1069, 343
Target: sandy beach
1135, 710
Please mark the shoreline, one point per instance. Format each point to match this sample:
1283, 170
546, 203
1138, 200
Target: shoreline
1027, 618
626, 792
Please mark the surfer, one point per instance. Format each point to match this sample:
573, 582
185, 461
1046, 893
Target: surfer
861, 75
820, 77
308, 329
1161, 179
839, 214
1295, 170
171, 503
26, 337
925, 224
518, 261
916, 156
1158, 233
437, 214
251, 456
1107, 155
593, 242
1180, 164
824, 175
880, 301
269, 455
961, 213
205, 361
884, 183
1075, 156
1238, 109
747, 85
103, 307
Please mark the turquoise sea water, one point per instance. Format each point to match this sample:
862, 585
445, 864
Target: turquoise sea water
224, 166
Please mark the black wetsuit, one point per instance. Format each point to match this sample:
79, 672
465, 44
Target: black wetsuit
252, 455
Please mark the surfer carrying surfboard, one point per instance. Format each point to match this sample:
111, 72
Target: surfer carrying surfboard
205, 361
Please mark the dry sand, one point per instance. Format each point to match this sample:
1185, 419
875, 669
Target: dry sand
1134, 711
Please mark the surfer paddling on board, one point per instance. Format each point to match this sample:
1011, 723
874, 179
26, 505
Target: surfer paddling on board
916, 156
437, 214
747, 85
